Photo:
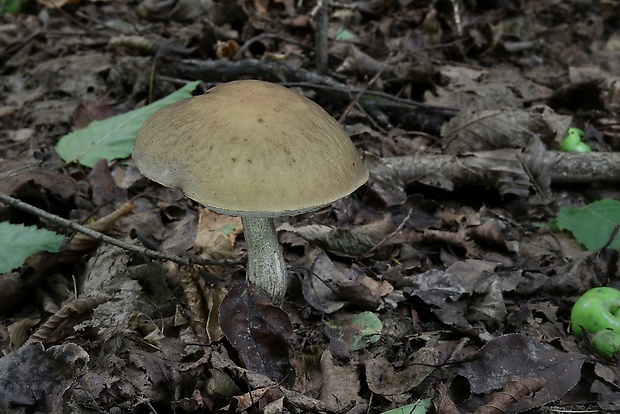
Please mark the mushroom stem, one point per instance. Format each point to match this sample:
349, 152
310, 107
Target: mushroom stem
266, 267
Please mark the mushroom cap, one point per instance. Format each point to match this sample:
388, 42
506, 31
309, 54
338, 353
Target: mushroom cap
250, 148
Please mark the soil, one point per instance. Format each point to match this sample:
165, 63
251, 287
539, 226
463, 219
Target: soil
445, 283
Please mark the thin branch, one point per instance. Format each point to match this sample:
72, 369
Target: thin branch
365, 89
321, 14
386, 238
18, 204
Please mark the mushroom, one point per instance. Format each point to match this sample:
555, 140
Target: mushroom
256, 150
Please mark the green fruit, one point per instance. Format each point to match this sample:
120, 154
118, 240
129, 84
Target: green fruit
596, 310
569, 142
606, 343
572, 142
576, 131
582, 147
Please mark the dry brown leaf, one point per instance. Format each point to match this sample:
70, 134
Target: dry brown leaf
339, 384
383, 379
216, 235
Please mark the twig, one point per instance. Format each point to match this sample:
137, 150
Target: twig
321, 13
246, 45
390, 175
475, 168
13, 202
365, 89
610, 240
386, 238
386, 96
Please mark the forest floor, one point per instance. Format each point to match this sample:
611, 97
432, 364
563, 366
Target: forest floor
444, 283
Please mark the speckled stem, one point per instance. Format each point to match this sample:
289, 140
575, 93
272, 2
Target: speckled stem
266, 267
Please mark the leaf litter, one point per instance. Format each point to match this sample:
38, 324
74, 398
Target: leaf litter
462, 289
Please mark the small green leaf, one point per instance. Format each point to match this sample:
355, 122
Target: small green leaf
359, 331
114, 137
419, 407
11, 6
228, 229
18, 242
344, 35
592, 225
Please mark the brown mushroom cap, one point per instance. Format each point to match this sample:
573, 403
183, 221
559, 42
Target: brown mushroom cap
250, 148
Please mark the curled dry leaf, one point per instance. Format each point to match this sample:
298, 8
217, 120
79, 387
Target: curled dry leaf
195, 302
327, 287
81, 242
513, 392
16, 175
56, 327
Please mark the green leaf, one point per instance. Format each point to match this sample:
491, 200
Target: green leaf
359, 331
11, 6
18, 242
592, 225
344, 35
113, 137
419, 407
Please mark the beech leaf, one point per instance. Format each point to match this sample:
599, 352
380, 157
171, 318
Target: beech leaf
418, 407
18, 242
114, 137
592, 225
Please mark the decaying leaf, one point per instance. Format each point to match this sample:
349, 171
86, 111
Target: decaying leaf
328, 287
513, 392
195, 302
357, 331
69, 315
339, 384
14, 175
107, 274
38, 378
258, 330
473, 131
215, 237
346, 243
516, 355
316, 283
383, 379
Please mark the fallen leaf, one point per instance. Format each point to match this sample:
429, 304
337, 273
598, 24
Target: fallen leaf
216, 235
34, 377
340, 383
516, 355
383, 379
357, 331
258, 330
